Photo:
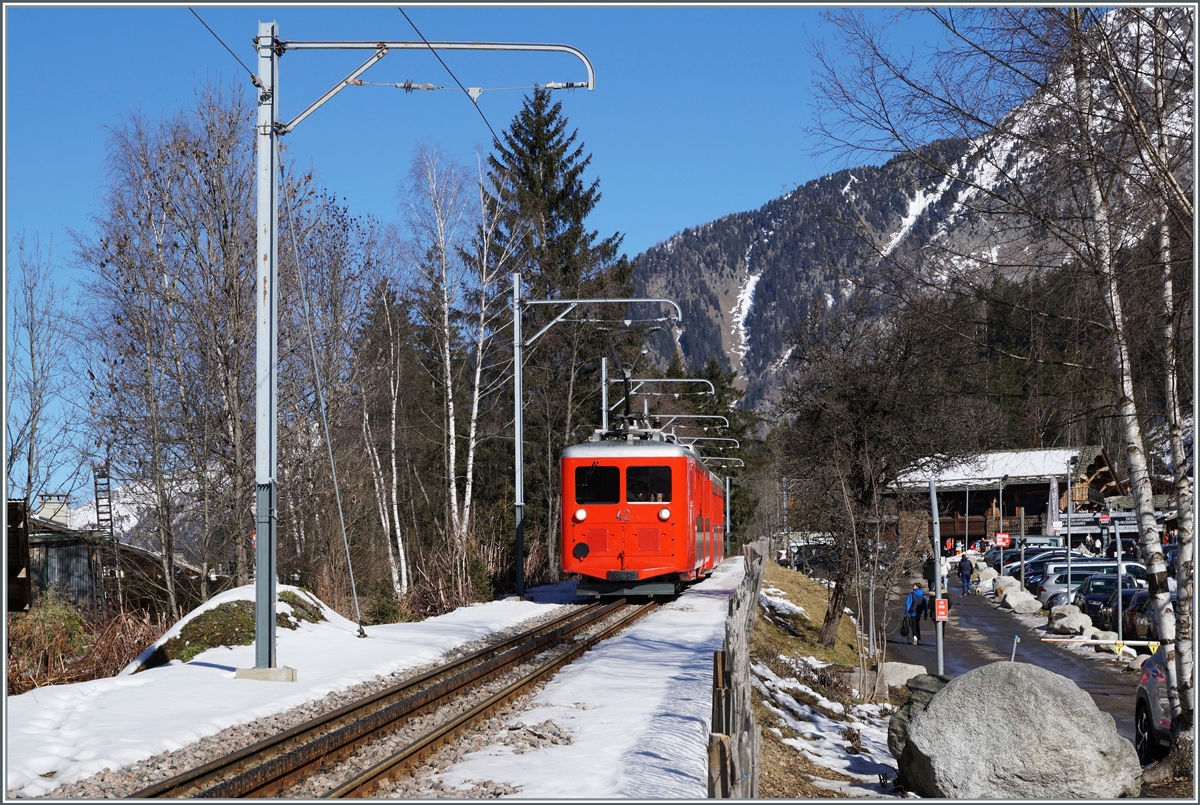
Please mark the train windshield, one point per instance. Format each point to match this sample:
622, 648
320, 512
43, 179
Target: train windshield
596, 484
648, 485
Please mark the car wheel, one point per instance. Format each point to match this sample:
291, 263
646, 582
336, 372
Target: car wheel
1145, 740
1143, 737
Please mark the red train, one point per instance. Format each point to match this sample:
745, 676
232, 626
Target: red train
641, 514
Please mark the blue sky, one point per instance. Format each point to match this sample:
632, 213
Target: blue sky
698, 112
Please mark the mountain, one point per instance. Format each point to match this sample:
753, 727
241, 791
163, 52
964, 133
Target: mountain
746, 280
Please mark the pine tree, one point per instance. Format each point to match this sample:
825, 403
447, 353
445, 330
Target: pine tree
542, 200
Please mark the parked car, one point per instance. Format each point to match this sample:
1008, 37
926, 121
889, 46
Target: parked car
1095, 590
1057, 600
1172, 554
1134, 569
1144, 625
1059, 565
1108, 613
1152, 712
1129, 549
1138, 599
1058, 583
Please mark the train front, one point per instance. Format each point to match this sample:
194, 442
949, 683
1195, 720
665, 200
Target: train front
626, 519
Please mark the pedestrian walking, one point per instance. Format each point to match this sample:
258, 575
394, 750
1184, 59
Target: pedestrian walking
914, 609
965, 568
945, 571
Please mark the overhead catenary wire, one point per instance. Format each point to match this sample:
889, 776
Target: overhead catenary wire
253, 77
317, 382
466, 92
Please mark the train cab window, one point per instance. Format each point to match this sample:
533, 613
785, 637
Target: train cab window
648, 485
596, 484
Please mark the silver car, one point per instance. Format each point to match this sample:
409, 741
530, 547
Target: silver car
1050, 586
1152, 714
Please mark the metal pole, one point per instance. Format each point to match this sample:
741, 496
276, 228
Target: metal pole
1117, 535
1070, 506
518, 437
967, 524
266, 357
937, 573
728, 522
1022, 546
604, 394
1000, 518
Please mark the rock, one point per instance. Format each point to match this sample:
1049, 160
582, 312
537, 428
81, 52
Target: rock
988, 573
1024, 604
1011, 595
897, 674
1004, 582
1060, 612
986, 585
1072, 624
1136, 663
1106, 648
921, 689
863, 683
1015, 731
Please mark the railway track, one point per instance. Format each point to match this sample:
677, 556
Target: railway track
276, 765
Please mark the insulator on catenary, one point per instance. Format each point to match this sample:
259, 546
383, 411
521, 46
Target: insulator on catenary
409, 86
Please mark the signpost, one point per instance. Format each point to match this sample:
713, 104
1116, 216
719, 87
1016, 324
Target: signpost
1002, 541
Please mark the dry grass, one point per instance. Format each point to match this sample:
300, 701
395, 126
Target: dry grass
53, 644
784, 772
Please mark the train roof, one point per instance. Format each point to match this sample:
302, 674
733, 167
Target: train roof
613, 448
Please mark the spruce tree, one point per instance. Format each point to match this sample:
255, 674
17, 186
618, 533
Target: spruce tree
542, 198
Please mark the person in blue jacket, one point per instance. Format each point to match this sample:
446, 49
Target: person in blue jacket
914, 609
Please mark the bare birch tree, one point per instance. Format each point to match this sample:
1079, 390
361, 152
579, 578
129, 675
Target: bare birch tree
42, 394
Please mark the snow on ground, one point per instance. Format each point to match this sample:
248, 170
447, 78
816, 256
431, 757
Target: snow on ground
77, 730
821, 737
772, 598
638, 708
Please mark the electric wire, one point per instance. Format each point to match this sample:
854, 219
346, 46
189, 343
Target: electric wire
495, 139
317, 381
253, 77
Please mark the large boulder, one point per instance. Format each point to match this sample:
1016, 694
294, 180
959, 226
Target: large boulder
1005, 582
921, 690
1059, 612
1106, 648
988, 573
1072, 623
1015, 731
1024, 604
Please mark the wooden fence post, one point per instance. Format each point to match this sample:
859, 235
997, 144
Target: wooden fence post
733, 747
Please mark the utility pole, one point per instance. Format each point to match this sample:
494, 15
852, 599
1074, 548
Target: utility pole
268, 130
519, 344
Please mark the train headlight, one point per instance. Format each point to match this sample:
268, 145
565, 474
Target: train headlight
580, 515
664, 514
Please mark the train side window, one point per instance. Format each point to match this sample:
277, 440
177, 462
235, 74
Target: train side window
648, 485
596, 484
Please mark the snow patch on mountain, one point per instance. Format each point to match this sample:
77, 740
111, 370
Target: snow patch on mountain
916, 208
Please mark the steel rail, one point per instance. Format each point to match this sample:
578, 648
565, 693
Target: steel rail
364, 784
287, 756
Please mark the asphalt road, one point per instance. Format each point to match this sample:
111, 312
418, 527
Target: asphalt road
979, 633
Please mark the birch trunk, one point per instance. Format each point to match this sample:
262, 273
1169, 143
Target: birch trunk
1101, 238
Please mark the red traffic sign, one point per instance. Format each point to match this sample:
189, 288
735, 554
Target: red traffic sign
941, 610
1105, 519
1002, 539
